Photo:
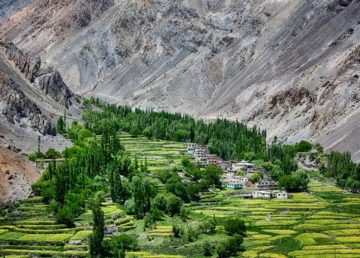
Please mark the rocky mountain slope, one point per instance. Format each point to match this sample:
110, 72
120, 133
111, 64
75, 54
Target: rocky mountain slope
16, 176
291, 67
32, 95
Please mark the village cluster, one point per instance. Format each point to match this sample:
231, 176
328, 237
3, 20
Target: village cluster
237, 174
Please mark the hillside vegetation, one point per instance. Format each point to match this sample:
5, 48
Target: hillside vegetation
118, 192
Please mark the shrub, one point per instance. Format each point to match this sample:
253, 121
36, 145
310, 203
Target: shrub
256, 177
230, 247
116, 246
234, 226
208, 226
303, 146
52, 154
207, 249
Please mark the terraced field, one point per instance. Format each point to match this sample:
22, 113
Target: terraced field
322, 223
308, 225
160, 155
29, 231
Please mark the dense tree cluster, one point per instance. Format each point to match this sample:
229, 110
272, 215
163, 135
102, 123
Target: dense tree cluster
346, 172
229, 140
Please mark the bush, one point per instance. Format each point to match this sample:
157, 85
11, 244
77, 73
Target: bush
208, 226
256, 177
230, 247
52, 154
116, 246
35, 156
177, 230
303, 146
207, 249
234, 226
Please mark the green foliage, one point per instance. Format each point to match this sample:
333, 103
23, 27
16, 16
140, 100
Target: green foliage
256, 177
60, 125
168, 203
177, 230
346, 172
208, 226
35, 156
282, 155
225, 138
73, 206
97, 237
297, 182
234, 226
52, 154
303, 146
211, 176
207, 248
230, 247
118, 245
143, 190
119, 189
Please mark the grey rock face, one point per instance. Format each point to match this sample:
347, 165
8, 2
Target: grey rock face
27, 63
53, 85
48, 80
8, 7
16, 106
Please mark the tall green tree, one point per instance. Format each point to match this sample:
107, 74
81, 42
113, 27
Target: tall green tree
60, 125
97, 237
143, 190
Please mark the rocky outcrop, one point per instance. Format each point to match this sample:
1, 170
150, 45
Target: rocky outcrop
27, 63
51, 83
19, 109
47, 79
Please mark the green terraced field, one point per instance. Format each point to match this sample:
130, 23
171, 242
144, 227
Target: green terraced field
302, 226
280, 228
322, 223
29, 234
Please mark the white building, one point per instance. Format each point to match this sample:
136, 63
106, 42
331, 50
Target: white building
261, 194
244, 165
280, 195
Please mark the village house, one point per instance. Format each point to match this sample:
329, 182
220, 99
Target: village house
225, 166
280, 195
261, 194
270, 194
266, 184
190, 148
212, 160
243, 165
234, 184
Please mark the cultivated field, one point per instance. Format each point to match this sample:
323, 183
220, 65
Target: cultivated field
322, 223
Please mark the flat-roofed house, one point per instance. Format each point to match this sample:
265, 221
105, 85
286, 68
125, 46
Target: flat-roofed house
261, 194
243, 165
266, 185
280, 194
213, 160
234, 184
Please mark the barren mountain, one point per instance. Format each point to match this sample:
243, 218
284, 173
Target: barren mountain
291, 67
16, 176
32, 96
